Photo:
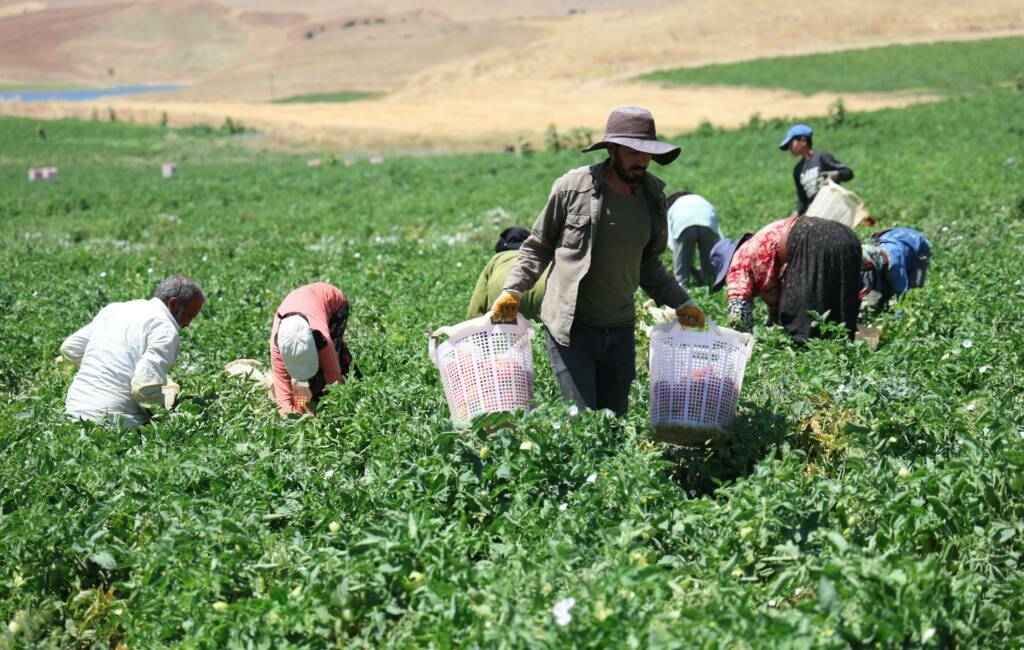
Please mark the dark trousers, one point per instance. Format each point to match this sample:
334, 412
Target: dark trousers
693, 238
596, 368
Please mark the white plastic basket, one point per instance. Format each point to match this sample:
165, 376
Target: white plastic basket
836, 203
485, 368
695, 380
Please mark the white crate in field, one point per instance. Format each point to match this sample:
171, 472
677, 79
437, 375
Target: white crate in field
695, 380
485, 368
836, 203
42, 174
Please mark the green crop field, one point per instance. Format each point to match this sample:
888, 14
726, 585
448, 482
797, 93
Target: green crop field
860, 500
327, 98
944, 67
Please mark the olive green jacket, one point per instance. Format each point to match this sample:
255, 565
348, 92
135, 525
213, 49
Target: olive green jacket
491, 281
563, 236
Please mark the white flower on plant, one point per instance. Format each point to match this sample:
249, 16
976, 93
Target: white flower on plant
904, 472
574, 411
983, 369
592, 478
556, 425
563, 507
945, 229
205, 258
329, 473
970, 407
334, 526
220, 606
772, 602
458, 265
967, 343
527, 445
149, 270
561, 611
357, 255
608, 413
103, 274
928, 634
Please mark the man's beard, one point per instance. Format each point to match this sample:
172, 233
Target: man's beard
629, 176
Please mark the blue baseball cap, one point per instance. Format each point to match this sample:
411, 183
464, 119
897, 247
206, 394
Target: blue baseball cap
798, 131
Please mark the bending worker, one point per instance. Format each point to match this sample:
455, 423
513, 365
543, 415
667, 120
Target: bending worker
797, 265
813, 168
603, 231
307, 344
894, 261
124, 354
692, 225
492, 278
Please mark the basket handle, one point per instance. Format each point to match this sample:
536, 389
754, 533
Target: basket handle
480, 324
744, 339
432, 344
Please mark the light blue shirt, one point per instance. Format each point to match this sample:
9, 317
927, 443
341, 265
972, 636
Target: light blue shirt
691, 210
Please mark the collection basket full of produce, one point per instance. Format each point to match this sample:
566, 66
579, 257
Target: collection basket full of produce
695, 378
485, 367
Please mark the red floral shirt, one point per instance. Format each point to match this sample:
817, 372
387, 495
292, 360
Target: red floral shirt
755, 269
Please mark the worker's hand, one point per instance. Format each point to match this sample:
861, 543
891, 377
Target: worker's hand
690, 315
506, 307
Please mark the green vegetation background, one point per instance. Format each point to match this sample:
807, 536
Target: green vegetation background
863, 499
322, 98
926, 67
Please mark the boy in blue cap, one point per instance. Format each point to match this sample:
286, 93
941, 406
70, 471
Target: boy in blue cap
814, 166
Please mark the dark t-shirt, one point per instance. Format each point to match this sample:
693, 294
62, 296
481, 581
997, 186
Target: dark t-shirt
606, 293
807, 173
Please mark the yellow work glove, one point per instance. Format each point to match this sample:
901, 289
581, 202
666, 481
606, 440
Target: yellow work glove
506, 307
690, 315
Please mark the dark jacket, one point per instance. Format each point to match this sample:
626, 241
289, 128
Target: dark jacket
807, 176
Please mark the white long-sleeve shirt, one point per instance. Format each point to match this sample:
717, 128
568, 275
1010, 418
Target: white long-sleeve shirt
123, 357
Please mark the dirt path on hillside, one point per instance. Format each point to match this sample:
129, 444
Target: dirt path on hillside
458, 122
572, 71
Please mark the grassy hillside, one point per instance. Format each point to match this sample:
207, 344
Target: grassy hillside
326, 98
930, 67
863, 499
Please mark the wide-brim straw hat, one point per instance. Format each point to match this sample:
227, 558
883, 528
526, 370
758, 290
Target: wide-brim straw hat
633, 127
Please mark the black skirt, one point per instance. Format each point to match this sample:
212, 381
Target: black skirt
823, 275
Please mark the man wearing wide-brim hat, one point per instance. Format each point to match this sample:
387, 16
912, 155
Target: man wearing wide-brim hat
603, 231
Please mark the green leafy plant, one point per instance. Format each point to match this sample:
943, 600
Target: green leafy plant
861, 499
